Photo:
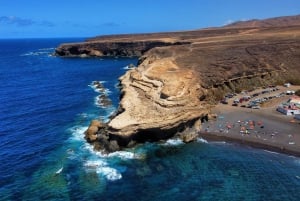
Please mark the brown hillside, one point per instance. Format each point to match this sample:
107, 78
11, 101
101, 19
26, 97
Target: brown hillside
182, 74
271, 22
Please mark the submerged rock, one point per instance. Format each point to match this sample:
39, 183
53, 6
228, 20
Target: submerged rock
103, 101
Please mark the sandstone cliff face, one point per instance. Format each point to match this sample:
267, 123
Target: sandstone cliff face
181, 75
159, 100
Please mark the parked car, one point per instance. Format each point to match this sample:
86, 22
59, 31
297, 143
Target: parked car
224, 101
236, 101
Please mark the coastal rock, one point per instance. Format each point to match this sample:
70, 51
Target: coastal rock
103, 101
111, 48
181, 75
91, 132
159, 100
189, 137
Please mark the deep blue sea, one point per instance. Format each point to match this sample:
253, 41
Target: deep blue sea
47, 102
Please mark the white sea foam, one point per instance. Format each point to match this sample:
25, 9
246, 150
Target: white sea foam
124, 155
100, 103
47, 49
93, 86
202, 140
59, 171
110, 173
271, 152
128, 68
78, 133
88, 147
106, 92
173, 142
94, 164
36, 53
101, 167
102, 90
101, 163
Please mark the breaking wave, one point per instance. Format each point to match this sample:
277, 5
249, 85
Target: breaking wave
40, 52
173, 142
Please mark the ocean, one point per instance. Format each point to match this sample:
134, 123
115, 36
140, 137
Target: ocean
47, 102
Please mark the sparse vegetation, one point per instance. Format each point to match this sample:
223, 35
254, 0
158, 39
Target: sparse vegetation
249, 84
294, 81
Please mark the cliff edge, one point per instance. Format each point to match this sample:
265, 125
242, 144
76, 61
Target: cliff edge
181, 75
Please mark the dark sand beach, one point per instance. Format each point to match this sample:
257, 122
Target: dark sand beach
262, 128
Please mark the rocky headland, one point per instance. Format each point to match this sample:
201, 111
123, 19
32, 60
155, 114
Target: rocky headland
182, 75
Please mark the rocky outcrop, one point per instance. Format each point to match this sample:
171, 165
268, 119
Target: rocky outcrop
159, 100
181, 75
110, 49
93, 129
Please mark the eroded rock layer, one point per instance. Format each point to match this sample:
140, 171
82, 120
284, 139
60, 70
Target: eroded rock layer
180, 77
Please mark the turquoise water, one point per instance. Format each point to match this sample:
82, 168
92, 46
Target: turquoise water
47, 102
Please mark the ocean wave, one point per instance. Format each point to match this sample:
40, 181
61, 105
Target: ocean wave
101, 167
219, 142
271, 152
103, 101
173, 142
128, 67
39, 52
101, 164
93, 164
101, 90
47, 49
123, 155
110, 173
78, 133
94, 161
202, 140
98, 87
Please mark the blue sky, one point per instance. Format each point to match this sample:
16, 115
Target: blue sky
85, 18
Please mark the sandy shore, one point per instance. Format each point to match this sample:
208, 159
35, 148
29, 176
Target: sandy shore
264, 128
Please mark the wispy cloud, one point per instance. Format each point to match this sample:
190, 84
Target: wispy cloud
228, 22
16, 21
233, 21
13, 20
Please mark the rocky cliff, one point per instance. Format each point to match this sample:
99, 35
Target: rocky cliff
181, 75
109, 48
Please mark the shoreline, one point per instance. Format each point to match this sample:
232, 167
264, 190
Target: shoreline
263, 128
215, 137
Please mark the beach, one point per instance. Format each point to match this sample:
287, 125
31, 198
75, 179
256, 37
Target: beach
263, 128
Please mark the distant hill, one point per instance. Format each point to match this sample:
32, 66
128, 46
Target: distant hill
270, 22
